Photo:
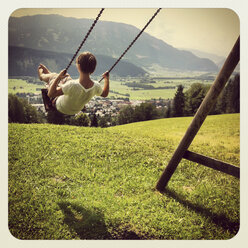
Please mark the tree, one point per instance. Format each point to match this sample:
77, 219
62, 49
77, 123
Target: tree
138, 114
143, 112
126, 115
220, 106
15, 109
81, 119
162, 112
31, 115
94, 121
194, 97
103, 122
179, 102
233, 95
20, 111
229, 99
148, 110
168, 111
55, 117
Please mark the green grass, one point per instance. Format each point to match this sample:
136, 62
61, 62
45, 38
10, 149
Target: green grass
21, 86
141, 94
70, 182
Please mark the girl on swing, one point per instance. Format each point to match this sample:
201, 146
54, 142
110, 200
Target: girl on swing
69, 96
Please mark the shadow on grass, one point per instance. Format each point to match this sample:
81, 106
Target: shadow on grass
219, 219
89, 224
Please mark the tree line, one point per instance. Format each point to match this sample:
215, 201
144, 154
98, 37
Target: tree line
20, 111
135, 85
187, 103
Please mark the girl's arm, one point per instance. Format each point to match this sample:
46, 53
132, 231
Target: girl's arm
54, 90
105, 91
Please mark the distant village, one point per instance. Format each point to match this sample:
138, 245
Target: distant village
98, 105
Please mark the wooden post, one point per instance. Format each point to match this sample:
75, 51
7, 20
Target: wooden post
205, 107
212, 163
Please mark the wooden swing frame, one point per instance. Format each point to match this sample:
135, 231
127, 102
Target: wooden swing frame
200, 116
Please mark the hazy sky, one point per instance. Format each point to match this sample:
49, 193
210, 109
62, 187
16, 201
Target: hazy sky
210, 30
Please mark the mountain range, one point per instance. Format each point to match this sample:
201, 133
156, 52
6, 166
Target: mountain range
61, 37
24, 62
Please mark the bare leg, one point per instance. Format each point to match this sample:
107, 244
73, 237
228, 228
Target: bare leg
44, 74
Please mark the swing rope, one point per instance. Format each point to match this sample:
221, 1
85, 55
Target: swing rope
47, 101
85, 38
117, 61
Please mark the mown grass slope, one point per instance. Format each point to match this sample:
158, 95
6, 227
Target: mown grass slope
70, 182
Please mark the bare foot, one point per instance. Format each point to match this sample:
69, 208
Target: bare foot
40, 72
45, 70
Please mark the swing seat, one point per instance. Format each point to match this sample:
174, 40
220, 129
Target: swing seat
46, 100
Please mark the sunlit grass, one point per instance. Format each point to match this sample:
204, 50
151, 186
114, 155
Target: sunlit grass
70, 182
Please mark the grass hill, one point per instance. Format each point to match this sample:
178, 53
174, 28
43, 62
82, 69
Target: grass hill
70, 182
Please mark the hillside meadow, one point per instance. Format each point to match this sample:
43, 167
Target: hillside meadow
68, 182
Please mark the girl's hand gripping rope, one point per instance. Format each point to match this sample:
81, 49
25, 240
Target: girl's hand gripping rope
63, 74
105, 75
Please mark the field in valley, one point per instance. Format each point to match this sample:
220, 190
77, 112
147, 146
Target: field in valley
119, 87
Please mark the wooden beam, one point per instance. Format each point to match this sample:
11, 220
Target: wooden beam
201, 114
213, 163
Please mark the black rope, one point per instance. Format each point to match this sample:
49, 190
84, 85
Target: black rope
86, 36
132, 42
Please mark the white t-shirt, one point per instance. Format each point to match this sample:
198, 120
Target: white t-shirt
76, 96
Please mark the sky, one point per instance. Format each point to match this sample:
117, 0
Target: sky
211, 30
